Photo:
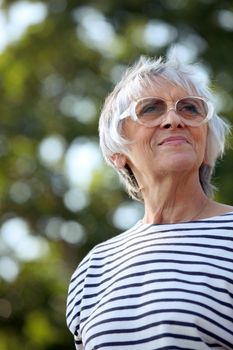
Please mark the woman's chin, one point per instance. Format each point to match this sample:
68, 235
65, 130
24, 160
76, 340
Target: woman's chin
179, 163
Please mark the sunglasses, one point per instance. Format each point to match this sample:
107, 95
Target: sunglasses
150, 111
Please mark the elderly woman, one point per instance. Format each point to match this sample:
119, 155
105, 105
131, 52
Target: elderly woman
167, 282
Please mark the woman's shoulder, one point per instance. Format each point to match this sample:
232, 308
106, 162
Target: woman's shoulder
118, 239
224, 208
108, 247
215, 209
90, 270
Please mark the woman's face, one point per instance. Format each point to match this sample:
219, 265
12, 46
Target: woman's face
170, 147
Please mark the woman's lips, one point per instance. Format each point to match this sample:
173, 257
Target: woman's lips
174, 140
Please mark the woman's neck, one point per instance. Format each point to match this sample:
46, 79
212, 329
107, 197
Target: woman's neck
174, 200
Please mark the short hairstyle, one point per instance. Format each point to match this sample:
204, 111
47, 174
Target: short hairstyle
145, 72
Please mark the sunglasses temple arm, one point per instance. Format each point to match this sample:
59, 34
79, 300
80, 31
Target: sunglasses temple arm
125, 114
210, 110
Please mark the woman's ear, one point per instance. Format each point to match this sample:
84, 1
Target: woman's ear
119, 160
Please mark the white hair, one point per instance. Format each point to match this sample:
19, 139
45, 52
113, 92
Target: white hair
137, 78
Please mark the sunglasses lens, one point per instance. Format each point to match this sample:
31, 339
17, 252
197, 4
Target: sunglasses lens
148, 109
192, 109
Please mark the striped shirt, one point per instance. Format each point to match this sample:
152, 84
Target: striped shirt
156, 287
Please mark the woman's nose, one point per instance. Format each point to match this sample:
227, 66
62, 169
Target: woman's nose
171, 120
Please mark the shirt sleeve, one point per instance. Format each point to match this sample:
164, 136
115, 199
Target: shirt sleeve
74, 301
78, 343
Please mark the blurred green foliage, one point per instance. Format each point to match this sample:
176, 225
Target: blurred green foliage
53, 81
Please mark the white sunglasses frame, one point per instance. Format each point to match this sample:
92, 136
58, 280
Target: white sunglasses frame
130, 112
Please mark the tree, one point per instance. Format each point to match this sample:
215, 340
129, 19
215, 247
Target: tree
54, 79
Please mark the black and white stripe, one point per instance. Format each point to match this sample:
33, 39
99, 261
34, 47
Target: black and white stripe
156, 287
